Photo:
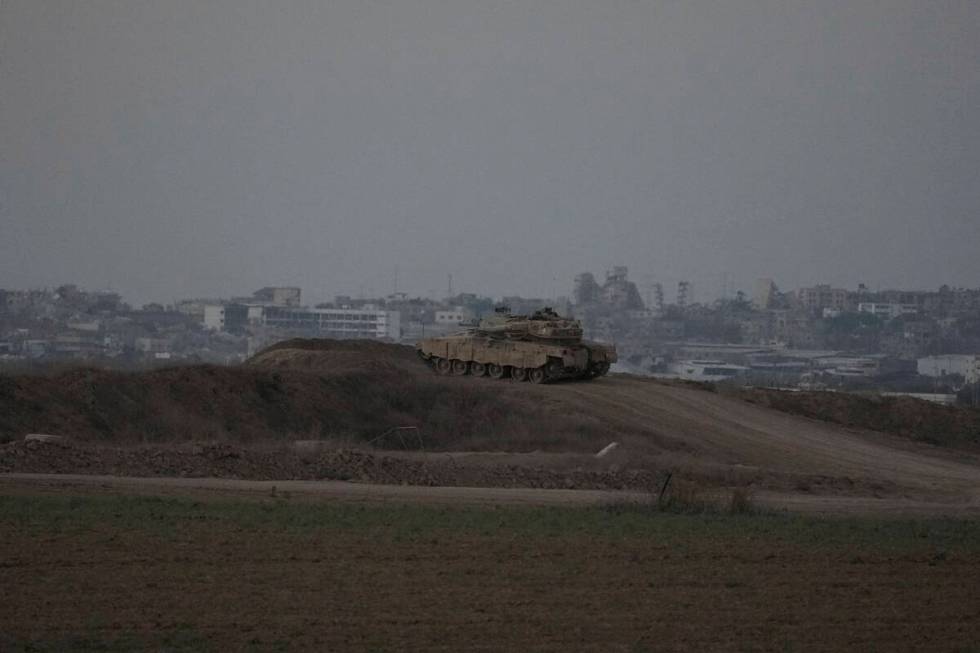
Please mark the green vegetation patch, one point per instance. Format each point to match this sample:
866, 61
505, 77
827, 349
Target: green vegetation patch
167, 516
182, 639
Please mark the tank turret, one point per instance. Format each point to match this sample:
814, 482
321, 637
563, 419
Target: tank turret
542, 325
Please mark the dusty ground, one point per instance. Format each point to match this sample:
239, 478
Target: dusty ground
714, 440
117, 573
708, 428
476, 432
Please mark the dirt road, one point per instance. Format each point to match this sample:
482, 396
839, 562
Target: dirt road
712, 427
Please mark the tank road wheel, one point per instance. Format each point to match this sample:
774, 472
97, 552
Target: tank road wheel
536, 375
477, 369
518, 374
554, 370
495, 371
460, 367
443, 366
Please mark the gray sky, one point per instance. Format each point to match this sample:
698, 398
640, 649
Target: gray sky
173, 148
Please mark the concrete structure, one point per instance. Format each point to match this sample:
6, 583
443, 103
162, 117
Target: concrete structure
850, 366
195, 308
334, 322
152, 345
231, 318
452, 317
586, 289
820, 297
888, 311
966, 365
278, 296
706, 370
214, 317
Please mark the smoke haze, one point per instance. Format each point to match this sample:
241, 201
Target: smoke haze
187, 148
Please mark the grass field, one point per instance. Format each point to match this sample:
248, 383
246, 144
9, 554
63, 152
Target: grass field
118, 573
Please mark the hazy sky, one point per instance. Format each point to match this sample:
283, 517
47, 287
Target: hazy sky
174, 148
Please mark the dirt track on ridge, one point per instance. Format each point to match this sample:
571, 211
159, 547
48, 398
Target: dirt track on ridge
728, 431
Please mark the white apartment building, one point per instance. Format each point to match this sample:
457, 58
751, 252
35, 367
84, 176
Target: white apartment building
335, 322
214, 317
453, 316
887, 311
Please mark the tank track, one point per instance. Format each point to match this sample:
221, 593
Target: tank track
545, 374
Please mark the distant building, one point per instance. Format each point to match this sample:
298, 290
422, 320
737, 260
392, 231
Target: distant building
850, 366
887, 311
152, 345
619, 292
194, 308
965, 365
454, 316
335, 322
817, 298
214, 317
233, 317
706, 370
586, 289
764, 294
277, 296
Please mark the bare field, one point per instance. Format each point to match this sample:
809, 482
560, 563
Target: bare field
117, 573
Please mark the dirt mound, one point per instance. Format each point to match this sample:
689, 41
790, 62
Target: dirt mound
343, 390
325, 356
365, 348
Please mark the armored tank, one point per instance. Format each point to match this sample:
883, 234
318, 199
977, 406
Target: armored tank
539, 348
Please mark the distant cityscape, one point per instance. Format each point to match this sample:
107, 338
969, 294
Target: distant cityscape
820, 337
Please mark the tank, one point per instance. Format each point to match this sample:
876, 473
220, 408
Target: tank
540, 348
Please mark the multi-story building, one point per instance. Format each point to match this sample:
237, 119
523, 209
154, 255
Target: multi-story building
334, 322
887, 311
277, 296
817, 298
965, 365
452, 317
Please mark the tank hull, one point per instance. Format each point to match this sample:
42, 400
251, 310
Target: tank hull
536, 361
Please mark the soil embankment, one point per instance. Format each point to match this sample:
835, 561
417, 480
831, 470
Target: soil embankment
348, 391
353, 394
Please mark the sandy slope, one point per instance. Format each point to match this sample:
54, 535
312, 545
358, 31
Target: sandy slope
715, 428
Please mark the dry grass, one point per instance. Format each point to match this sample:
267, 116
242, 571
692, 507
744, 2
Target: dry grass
685, 496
